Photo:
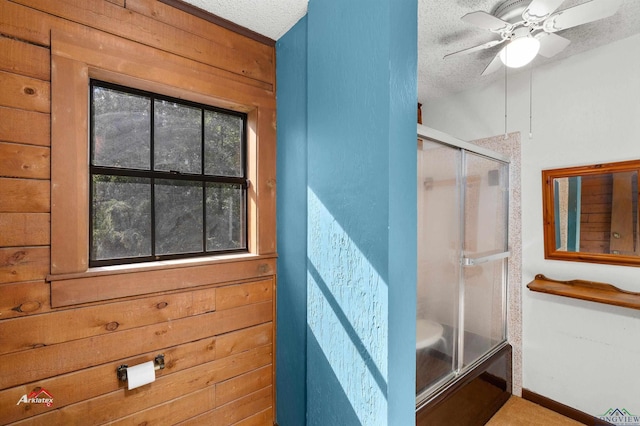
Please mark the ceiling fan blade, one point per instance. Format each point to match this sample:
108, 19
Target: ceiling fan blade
551, 44
581, 14
493, 66
484, 20
540, 9
474, 49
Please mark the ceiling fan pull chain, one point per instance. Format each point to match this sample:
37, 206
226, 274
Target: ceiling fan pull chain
505, 103
530, 102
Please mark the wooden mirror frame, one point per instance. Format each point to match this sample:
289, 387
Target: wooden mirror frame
549, 219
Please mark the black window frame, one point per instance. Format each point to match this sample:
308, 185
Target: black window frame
171, 175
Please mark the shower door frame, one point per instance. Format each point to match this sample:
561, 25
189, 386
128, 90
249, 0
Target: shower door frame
437, 389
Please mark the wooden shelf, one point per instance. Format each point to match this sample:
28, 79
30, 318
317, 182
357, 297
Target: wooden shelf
586, 290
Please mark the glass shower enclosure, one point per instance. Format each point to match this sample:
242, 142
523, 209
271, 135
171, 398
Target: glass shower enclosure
462, 259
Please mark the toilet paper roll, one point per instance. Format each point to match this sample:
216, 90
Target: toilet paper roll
140, 375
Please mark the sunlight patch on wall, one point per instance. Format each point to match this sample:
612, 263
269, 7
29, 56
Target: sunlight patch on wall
347, 313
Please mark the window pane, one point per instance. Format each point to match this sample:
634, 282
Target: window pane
223, 144
146, 213
178, 137
121, 124
225, 217
121, 221
178, 207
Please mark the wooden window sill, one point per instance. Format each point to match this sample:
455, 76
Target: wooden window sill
586, 290
112, 282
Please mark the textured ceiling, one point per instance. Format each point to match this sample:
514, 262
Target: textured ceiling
271, 18
440, 31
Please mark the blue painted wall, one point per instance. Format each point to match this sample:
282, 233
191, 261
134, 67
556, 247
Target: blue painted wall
403, 209
291, 74
359, 208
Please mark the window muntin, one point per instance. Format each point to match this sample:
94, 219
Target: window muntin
168, 177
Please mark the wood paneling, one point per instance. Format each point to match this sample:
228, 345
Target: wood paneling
89, 383
246, 316
23, 58
146, 63
69, 168
218, 46
123, 402
595, 213
28, 127
237, 387
47, 361
222, 49
24, 195
244, 407
211, 318
262, 418
266, 193
77, 386
244, 294
180, 14
72, 324
234, 412
243, 340
23, 298
24, 92
23, 264
623, 237
27, 24
218, 21
71, 290
24, 161
173, 411
24, 229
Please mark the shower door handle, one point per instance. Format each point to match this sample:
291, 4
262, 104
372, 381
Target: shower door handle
472, 261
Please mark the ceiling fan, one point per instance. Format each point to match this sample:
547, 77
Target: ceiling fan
529, 26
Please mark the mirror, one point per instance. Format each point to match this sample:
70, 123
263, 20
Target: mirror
591, 213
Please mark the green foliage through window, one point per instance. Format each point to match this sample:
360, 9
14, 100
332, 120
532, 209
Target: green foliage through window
168, 177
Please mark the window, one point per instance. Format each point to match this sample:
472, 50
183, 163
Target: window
167, 177
86, 54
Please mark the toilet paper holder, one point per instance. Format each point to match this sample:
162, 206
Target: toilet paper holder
158, 364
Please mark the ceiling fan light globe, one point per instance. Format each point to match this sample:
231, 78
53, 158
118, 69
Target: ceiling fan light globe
520, 51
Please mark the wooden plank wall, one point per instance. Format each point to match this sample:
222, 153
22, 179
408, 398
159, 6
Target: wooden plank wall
217, 338
595, 213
